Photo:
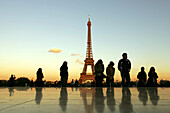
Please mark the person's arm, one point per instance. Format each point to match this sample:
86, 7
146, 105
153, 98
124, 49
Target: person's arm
102, 68
107, 71
42, 75
156, 75
119, 66
113, 71
129, 65
138, 76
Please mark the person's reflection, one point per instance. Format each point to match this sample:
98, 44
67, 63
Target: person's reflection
143, 96
99, 100
110, 99
126, 105
39, 95
63, 98
153, 94
11, 91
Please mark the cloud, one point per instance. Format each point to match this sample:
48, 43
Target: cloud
55, 50
78, 61
75, 54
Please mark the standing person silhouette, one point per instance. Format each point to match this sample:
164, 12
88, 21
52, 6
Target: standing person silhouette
99, 69
110, 71
11, 81
40, 76
64, 74
124, 67
142, 78
152, 80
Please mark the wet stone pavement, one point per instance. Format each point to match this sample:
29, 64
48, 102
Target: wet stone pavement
84, 100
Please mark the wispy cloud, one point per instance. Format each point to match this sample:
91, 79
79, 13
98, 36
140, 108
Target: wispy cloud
78, 61
55, 50
75, 54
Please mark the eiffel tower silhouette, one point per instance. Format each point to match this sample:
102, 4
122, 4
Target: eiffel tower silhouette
89, 59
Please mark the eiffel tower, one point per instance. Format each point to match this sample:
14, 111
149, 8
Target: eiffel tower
89, 59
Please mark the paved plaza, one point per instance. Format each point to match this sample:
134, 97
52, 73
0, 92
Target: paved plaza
84, 100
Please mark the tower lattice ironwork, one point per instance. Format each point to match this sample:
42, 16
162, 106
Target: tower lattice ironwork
89, 58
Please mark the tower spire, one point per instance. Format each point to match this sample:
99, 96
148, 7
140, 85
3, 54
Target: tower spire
89, 17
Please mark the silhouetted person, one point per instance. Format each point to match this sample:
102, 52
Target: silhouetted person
142, 78
153, 94
11, 91
40, 76
99, 69
39, 95
99, 100
64, 74
124, 67
143, 96
63, 99
76, 83
110, 71
11, 81
110, 99
31, 83
126, 105
152, 80
72, 82
92, 83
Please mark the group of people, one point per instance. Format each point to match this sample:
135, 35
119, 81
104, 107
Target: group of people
152, 80
124, 66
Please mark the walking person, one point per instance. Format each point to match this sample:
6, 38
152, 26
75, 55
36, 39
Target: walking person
64, 74
99, 69
110, 71
124, 67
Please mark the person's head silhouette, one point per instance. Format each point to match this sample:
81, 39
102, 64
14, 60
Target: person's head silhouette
100, 61
124, 55
111, 63
152, 69
65, 63
142, 69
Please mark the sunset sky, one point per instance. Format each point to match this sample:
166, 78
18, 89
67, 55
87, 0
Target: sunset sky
31, 30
